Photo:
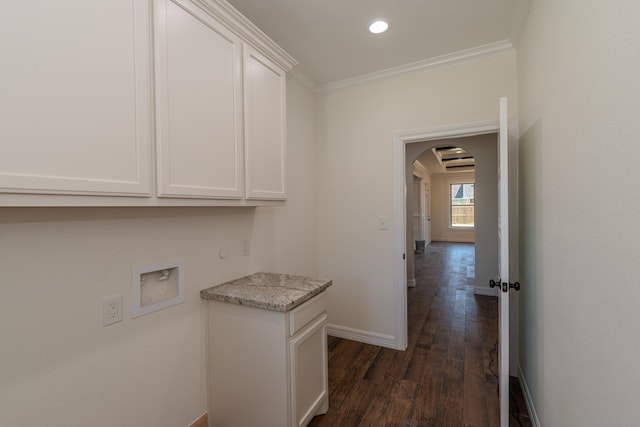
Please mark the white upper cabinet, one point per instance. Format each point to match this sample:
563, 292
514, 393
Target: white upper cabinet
75, 104
198, 104
148, 102
265, 112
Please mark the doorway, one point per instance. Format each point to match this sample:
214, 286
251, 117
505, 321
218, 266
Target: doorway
406, 148
483, 229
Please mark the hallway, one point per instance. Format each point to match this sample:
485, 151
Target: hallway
446, 377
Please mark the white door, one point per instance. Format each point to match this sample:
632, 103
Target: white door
503, 260
418, 210
427, 216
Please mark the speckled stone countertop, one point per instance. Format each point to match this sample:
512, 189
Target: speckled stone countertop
269, 291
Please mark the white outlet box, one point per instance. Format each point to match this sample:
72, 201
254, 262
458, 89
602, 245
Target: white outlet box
111, 310
156, 286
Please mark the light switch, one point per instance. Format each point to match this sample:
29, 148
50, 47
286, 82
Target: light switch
223, 253
383, 223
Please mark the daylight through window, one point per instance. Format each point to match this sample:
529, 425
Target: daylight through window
462, 205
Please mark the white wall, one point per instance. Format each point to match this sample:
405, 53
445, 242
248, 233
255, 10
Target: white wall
578, 71
441, 231
289, 234
356, 130
60, 367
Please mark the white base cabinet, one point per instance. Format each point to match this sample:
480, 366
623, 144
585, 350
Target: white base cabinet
267, 368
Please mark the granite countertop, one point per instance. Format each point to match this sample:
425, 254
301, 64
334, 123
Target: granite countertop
269, 291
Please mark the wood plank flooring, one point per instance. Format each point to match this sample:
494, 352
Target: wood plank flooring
447, 375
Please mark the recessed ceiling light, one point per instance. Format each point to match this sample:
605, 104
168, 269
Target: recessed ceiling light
378, 26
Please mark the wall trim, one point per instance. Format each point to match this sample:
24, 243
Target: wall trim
520, 22
533, 415
366, 337
455, 131
303, 79
447, 60
247, 30
481, 290
454, 240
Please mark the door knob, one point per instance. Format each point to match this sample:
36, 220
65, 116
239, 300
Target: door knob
515, 286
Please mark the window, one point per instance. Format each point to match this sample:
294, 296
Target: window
462, 210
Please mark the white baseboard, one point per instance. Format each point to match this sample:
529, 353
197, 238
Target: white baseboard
455, 240
366, 337
411, 283
481, 290
533, 415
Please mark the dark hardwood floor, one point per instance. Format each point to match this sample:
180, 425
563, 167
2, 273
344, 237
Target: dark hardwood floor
447, 375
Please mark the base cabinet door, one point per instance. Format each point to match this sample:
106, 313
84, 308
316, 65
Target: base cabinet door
309, 388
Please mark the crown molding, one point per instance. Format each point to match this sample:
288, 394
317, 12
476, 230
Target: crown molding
245, 29
449, 132
520, 22
304, 80
466, 55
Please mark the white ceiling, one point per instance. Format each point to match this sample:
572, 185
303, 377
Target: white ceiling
331, 42
447, 159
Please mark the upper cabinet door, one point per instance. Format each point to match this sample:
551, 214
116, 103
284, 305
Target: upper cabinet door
265, 112
75, 101
199, 104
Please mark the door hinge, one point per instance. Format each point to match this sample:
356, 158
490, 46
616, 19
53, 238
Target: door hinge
404, 256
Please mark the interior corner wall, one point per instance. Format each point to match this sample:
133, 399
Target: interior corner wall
61, 367
290, 232
578, 84
355, 170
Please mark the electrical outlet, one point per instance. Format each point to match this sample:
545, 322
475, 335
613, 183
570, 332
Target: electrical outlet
111, 310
